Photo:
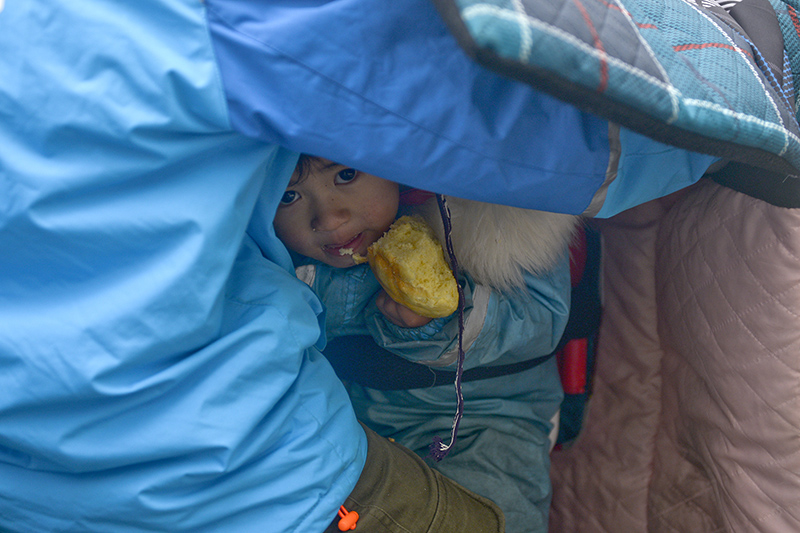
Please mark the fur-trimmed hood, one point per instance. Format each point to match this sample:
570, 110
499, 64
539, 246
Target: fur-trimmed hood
496, 243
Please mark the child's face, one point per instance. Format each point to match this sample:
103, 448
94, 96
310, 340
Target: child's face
335, 208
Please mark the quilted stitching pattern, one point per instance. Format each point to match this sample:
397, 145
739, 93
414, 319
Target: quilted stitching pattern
600, 483
790, 24
694, 420
668, 59
729, 296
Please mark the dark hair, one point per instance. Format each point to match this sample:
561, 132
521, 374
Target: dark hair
304, 166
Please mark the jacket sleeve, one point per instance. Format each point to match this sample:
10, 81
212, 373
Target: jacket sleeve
499, 328
354, 89
157, 362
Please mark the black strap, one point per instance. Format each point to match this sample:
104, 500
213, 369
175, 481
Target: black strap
359, 359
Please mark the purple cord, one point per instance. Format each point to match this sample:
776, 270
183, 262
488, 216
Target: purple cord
438, 450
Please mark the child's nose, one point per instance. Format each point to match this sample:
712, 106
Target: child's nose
330, 216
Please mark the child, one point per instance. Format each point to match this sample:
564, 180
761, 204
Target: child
502, 450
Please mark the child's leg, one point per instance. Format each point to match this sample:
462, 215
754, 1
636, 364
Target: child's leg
503, 447
509, 463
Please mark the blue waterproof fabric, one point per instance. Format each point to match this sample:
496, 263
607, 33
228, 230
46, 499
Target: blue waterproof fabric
155, 370
148, 382
385, 88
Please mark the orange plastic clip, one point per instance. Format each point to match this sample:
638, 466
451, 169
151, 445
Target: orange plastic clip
348, 519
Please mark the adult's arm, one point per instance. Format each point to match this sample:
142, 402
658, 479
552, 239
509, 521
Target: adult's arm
386, 89
157, 370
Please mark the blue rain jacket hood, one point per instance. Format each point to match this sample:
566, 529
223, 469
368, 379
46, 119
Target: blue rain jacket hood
159, 368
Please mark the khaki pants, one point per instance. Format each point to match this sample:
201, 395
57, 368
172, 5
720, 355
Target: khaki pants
398, 493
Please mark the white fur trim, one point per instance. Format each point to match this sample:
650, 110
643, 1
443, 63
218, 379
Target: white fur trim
495, 244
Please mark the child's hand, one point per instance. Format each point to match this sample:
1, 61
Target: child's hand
399, 314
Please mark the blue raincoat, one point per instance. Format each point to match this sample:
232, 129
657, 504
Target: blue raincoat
150, 379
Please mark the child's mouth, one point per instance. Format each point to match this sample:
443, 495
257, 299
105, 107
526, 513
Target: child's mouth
351, 245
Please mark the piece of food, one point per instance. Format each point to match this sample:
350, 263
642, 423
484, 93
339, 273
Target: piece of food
357, 259
410, 265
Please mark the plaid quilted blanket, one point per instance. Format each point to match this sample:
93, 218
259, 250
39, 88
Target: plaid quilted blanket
694, 74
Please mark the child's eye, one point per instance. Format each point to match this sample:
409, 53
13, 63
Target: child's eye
289, 197
346, 176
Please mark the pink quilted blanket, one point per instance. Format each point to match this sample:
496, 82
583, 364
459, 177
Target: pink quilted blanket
694, 420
